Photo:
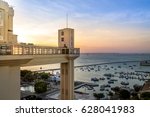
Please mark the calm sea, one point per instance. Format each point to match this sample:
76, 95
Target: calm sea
98, 58
94, 58
128, 63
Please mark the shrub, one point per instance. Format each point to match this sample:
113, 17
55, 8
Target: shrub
116, 89
27, 76
44, 75
98, 95
40, 86
124, 94
145, 95
24, 73
110, 93
137, 87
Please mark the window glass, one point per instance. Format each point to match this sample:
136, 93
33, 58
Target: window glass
62, 39
62, 33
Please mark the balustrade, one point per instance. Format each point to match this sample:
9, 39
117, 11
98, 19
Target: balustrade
24, 49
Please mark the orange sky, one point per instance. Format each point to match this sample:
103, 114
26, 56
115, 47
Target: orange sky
97, 29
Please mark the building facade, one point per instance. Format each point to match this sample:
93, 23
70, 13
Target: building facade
6, 24
66, 38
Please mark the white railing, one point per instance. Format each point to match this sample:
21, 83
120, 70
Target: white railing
24, 49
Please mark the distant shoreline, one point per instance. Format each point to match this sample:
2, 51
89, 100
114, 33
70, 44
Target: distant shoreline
87, 65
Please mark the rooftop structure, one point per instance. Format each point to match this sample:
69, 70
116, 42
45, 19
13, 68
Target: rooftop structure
66, 38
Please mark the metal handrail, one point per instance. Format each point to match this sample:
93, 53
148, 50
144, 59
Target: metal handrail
23, 49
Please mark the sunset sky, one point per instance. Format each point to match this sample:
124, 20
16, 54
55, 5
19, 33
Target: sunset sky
118, 26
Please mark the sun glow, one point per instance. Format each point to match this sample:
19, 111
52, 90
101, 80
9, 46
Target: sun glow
97, 27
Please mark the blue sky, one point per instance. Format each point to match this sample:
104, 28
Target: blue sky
100, 25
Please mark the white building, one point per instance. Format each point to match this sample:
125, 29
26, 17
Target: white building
6, 23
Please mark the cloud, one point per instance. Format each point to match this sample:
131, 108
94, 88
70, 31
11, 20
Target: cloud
100, 25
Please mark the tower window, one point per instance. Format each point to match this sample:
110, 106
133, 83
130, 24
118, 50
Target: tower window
62, 33
62, 39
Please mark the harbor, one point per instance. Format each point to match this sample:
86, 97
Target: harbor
103, 78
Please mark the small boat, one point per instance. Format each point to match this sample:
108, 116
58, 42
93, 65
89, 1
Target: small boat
101, 78
124, 83
91, 68
109, 75
94, 79
114, 80
108, 78
106, 89
102, 86
105, 86
89, 87
145, 63
102, 89
108, 86
111, 82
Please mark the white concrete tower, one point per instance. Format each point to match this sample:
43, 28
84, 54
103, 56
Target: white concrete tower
6, 24
66, 40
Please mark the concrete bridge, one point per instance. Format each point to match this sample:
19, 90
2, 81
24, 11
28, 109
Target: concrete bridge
37, 55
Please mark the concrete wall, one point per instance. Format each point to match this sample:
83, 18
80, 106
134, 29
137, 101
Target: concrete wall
67, 80
10, 76
46, 59
9, 82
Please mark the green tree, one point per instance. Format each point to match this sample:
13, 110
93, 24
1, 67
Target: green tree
24, 73
124, 94
27, 76
40, 86
110, 93
98, 95
134, 96
145, 96
116, 89
44, 75
137, 87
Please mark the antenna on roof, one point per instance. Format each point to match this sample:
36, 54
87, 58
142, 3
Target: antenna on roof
67, 20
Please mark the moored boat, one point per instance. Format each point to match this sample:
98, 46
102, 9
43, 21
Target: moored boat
145, 63
94, 79
124, 83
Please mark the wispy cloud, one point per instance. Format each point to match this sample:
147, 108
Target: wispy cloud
97, 22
